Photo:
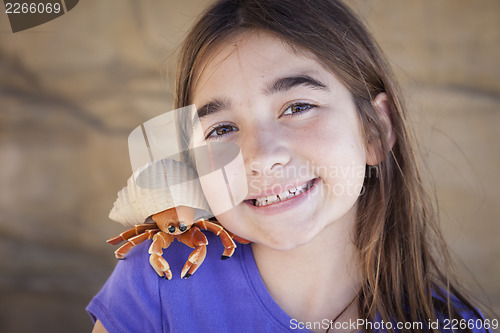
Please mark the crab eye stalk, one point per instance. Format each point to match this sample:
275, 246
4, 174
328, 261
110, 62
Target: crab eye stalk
182, 227
171, 229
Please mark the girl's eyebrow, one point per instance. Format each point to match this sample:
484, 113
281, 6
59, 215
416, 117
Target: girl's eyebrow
213, 106
286, 83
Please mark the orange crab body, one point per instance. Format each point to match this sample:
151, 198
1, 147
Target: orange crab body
170, 224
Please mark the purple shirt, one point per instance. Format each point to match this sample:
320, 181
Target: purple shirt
222, 296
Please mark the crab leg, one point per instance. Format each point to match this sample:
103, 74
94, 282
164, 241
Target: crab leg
129, 233
238, 238
194, 237
125, 248
210, 226
161, 241
225, 237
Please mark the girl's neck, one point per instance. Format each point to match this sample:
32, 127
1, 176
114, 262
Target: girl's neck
315, 281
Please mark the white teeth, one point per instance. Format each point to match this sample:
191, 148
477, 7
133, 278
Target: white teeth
264, 201
284, 195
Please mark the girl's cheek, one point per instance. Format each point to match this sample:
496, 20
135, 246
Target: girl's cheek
222, 176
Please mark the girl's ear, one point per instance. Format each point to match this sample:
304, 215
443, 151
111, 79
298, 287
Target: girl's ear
374, 154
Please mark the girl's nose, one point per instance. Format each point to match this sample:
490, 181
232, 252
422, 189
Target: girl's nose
265, 152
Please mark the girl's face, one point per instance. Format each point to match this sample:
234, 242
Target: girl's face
299, 135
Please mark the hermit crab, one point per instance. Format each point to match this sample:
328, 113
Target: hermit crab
168, 198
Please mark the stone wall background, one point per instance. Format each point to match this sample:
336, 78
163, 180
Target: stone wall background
72, 90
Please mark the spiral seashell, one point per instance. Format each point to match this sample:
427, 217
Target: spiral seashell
156, 187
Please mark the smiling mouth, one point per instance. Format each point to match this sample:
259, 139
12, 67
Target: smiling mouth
291, 193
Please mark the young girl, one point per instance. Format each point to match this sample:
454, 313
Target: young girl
343, 237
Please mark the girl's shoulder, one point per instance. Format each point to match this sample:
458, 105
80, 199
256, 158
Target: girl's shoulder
460, 316
130, 292
221, 295
135, 298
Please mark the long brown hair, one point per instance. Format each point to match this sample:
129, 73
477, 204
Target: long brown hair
406, 275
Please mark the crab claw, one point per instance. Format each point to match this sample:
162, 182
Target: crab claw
160, 265
194, 261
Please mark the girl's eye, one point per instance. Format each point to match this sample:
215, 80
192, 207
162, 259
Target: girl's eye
220, 130
298, 108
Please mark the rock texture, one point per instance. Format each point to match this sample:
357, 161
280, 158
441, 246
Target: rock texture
72, 90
